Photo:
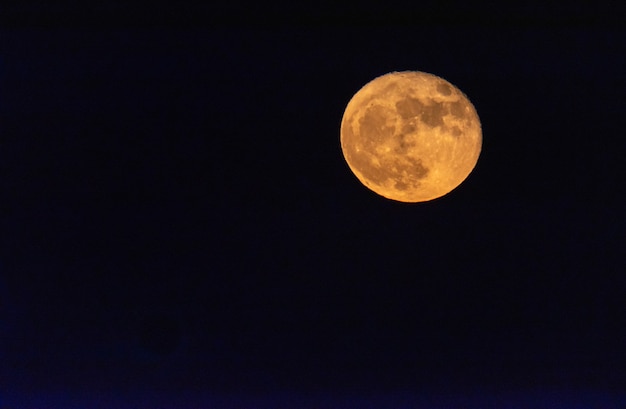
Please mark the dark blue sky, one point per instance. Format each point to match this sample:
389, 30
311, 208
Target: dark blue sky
176, 215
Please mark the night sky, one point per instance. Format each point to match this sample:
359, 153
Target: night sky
178, 227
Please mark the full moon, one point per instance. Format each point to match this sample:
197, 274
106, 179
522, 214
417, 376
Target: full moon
410, 136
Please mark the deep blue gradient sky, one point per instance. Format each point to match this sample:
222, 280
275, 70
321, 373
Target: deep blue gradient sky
177, 220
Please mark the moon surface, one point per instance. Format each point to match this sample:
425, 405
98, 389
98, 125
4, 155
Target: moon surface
410, 136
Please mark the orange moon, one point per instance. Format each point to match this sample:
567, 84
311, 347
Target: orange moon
410, 136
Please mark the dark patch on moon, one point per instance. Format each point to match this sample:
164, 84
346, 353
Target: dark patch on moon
399, 185
409, 108
444, 89
409, 128
457, 108
415, 171
456, 131
404, 143
373, 126
412, 168
432, 115
362, 162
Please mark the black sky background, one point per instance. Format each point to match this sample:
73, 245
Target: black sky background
176, 217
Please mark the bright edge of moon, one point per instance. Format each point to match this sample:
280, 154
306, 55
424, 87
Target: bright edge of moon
410, 136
